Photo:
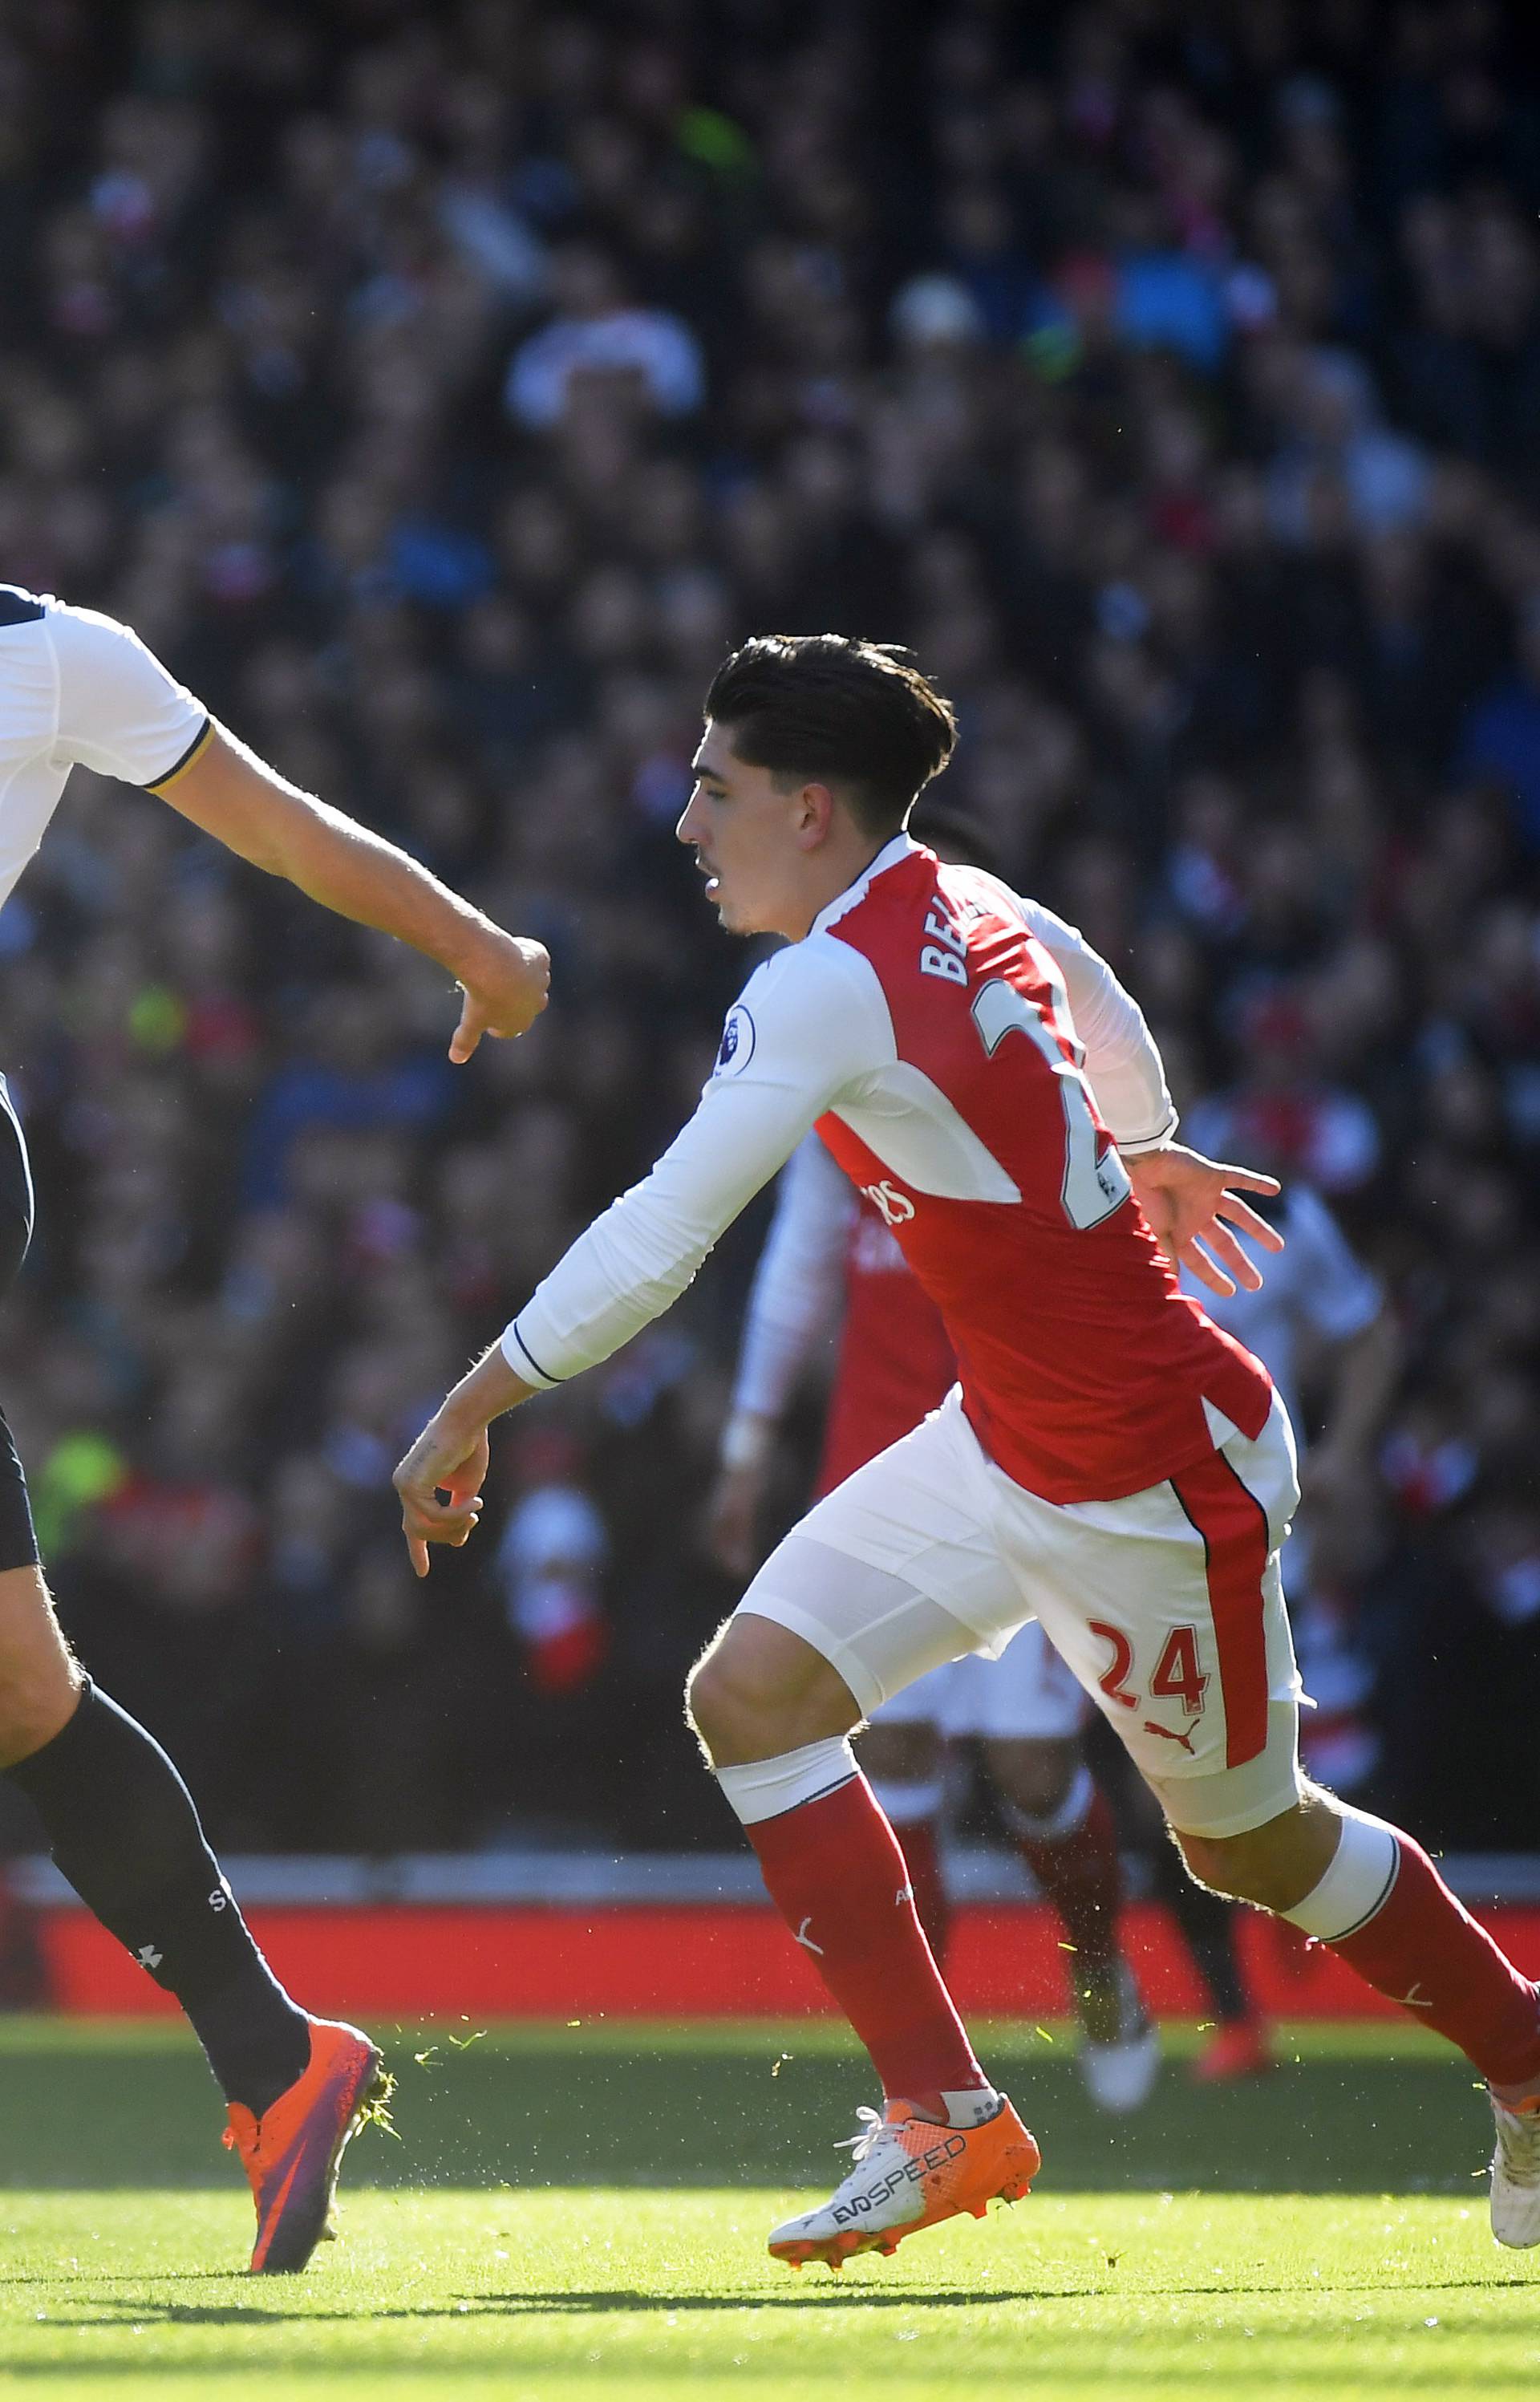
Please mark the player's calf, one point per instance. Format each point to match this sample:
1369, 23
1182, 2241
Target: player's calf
122, 1827
1382, 1906
39, 1678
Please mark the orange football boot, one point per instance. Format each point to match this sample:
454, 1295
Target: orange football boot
908, 2173
291, 2154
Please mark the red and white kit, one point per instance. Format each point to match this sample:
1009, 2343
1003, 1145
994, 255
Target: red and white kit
831, 1261
1110, 1463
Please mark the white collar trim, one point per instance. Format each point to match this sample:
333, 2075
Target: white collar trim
888, 856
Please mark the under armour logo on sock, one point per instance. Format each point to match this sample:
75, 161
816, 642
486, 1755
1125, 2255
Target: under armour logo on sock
148, 1957
806, 1942
906, 1893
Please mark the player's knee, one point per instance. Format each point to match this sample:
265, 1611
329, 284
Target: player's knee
759, 1690
723, 1694
1212, 1863
1273, 1865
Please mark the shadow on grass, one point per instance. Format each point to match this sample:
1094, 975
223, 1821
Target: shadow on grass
628, 2303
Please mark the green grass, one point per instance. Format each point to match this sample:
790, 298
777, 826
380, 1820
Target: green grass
580, 2212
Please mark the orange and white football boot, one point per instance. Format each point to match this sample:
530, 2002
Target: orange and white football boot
908, 2173
291, 2154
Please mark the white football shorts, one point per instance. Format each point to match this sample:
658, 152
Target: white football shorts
1168, 1605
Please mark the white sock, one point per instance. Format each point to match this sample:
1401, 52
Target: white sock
1356, 1885
972, 2107
767, 1788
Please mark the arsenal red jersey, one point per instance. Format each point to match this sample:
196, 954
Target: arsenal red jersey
1084, 1369
923, 1026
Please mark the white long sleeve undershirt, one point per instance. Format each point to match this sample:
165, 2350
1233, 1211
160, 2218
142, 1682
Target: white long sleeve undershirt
812, 1033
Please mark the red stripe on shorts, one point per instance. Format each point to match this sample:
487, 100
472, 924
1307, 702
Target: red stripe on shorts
1233, 1526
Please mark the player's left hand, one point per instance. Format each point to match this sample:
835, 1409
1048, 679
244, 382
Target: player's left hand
1188, 1200
505, 990
443, 1460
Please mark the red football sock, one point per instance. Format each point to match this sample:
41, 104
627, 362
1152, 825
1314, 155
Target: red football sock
833, 1870
916, 1839
1422, 1949
1082, 1877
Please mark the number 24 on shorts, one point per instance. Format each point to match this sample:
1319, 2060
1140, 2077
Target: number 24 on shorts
1177, 1677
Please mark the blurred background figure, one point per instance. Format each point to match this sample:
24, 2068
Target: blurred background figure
551, 1559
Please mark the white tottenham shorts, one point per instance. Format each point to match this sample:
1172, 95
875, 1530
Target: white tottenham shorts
1168, 1605
1027, 1695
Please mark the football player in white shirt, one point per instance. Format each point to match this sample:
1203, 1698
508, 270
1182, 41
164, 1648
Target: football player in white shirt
78, 689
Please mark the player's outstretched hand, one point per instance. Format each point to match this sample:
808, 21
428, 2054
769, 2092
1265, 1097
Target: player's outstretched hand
444, 1460
1188, 1200
505, 990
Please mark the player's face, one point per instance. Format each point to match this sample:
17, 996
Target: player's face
750, 838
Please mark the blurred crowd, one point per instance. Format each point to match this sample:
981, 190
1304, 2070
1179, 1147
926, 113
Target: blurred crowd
440, 389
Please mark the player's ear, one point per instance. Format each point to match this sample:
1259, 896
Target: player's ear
813, 815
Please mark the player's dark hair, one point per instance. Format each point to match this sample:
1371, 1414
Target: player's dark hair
828, 709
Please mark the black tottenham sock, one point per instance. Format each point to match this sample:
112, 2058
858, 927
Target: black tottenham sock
122, 1827
1207, 1923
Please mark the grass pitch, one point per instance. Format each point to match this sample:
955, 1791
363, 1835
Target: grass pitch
577, 2212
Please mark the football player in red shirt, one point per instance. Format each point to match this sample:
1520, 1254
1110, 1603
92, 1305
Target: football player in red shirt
829, 1263
1109, 1462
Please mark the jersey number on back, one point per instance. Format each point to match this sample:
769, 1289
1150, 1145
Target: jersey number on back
1092, 1187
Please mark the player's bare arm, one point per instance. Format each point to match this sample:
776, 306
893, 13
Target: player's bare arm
1366, 1373
230, 794
798, 1297
737, 1497
450, 1456
1191, 1204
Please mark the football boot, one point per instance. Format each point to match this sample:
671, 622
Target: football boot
1119, 2054
907, 2172
1516, 2172
291, 2154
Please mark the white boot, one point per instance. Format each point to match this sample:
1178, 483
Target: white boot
1119, 2073
1516, 2173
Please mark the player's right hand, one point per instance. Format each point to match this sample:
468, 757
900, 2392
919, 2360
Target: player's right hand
505, 990
443, 1460
1192, 1208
